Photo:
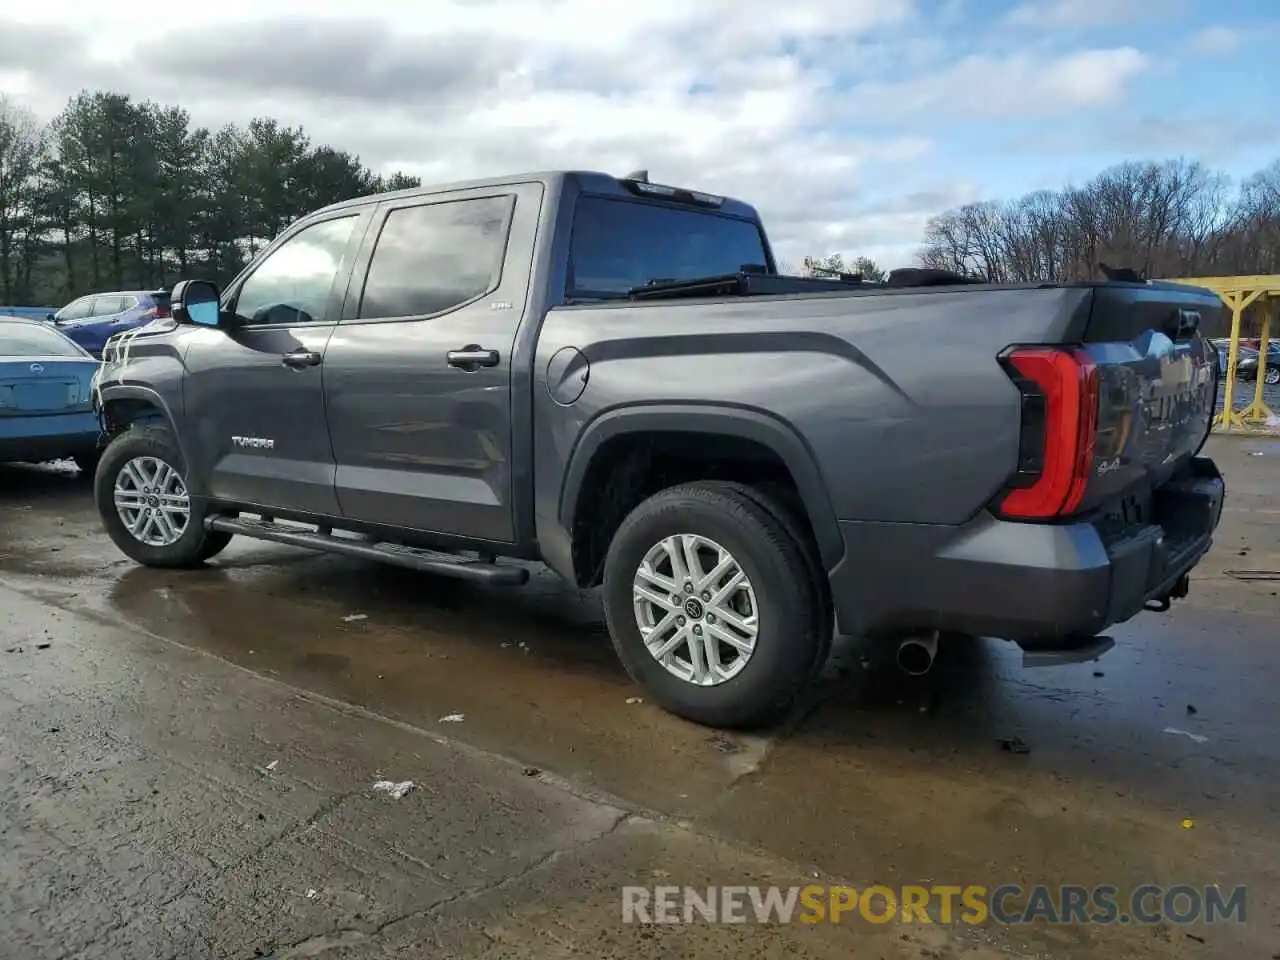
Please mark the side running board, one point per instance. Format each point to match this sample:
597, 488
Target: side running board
413, 558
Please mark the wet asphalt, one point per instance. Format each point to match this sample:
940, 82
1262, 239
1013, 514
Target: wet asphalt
139, 711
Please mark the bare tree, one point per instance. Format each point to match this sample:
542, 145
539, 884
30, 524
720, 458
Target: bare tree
1171, 218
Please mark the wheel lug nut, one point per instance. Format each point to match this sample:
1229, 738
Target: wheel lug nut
688, 587
680, 621
698, 631
706, 594
711, 618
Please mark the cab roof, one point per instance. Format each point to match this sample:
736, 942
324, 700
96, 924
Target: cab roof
584, 181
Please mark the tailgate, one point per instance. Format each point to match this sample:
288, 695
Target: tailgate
1157, 384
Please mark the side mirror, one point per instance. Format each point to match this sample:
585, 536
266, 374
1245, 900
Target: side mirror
195, 301
51, 317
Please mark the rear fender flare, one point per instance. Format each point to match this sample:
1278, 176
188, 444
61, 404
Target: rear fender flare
744, 423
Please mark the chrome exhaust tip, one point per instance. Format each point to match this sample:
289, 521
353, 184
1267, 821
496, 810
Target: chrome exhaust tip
916, 654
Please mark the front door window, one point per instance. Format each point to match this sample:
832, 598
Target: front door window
293, 284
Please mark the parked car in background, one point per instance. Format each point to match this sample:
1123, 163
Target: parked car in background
1242, 353
95, 318
1247, 366
46, 396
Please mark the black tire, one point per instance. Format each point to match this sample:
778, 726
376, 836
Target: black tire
792, 637
195, 546
787, 510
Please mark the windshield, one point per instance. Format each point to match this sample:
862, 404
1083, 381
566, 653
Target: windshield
618, 245
32, 340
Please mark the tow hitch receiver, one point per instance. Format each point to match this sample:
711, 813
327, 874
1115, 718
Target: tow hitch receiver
1179, 590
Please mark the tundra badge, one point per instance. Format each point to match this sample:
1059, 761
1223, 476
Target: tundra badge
257, 443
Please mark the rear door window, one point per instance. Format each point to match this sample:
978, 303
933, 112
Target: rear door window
618, 245
435, 257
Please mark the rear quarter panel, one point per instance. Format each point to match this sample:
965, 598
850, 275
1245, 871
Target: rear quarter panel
897, 396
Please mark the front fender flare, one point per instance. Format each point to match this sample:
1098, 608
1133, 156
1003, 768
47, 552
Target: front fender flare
742, 422
108, 393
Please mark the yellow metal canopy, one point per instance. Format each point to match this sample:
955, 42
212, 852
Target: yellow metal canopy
1238, 293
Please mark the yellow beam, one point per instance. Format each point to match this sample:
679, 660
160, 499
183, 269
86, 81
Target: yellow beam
1263, 283
1258, 411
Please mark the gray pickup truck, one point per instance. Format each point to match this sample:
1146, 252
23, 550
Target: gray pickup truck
610, 377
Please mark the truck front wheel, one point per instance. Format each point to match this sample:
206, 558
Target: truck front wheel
141, 493
711, 605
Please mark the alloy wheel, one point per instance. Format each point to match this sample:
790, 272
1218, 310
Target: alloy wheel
151, 498
696, 609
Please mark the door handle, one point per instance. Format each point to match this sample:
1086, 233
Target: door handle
301, 358
472, 357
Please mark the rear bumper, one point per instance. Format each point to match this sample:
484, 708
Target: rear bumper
34, 439
1039, 584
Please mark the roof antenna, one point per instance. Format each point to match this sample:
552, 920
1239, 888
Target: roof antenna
639, 176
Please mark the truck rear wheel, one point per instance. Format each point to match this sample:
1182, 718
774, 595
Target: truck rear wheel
141, 493
712, 606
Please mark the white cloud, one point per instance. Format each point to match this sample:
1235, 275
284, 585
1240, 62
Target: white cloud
824, 113
1216, 41
1066, 14
1015, 87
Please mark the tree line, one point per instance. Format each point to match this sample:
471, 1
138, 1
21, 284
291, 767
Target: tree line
1166, 219
117, 194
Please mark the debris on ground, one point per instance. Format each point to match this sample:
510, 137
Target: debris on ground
723, 744
1191, 710
1098, 673
453, 718
1197, 737
311, 894
531, 771
1188, 823
635, 699
270, 766
1013, 745
14, 650
1252, 576
353, 618
393, 790
43, 646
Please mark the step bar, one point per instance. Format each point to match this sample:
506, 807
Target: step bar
412, 558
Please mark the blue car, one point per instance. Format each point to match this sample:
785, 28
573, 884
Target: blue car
94, 319
46, 396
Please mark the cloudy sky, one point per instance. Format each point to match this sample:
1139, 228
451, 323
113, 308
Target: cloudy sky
848, 122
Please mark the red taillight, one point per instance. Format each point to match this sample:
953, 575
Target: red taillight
1060, 420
